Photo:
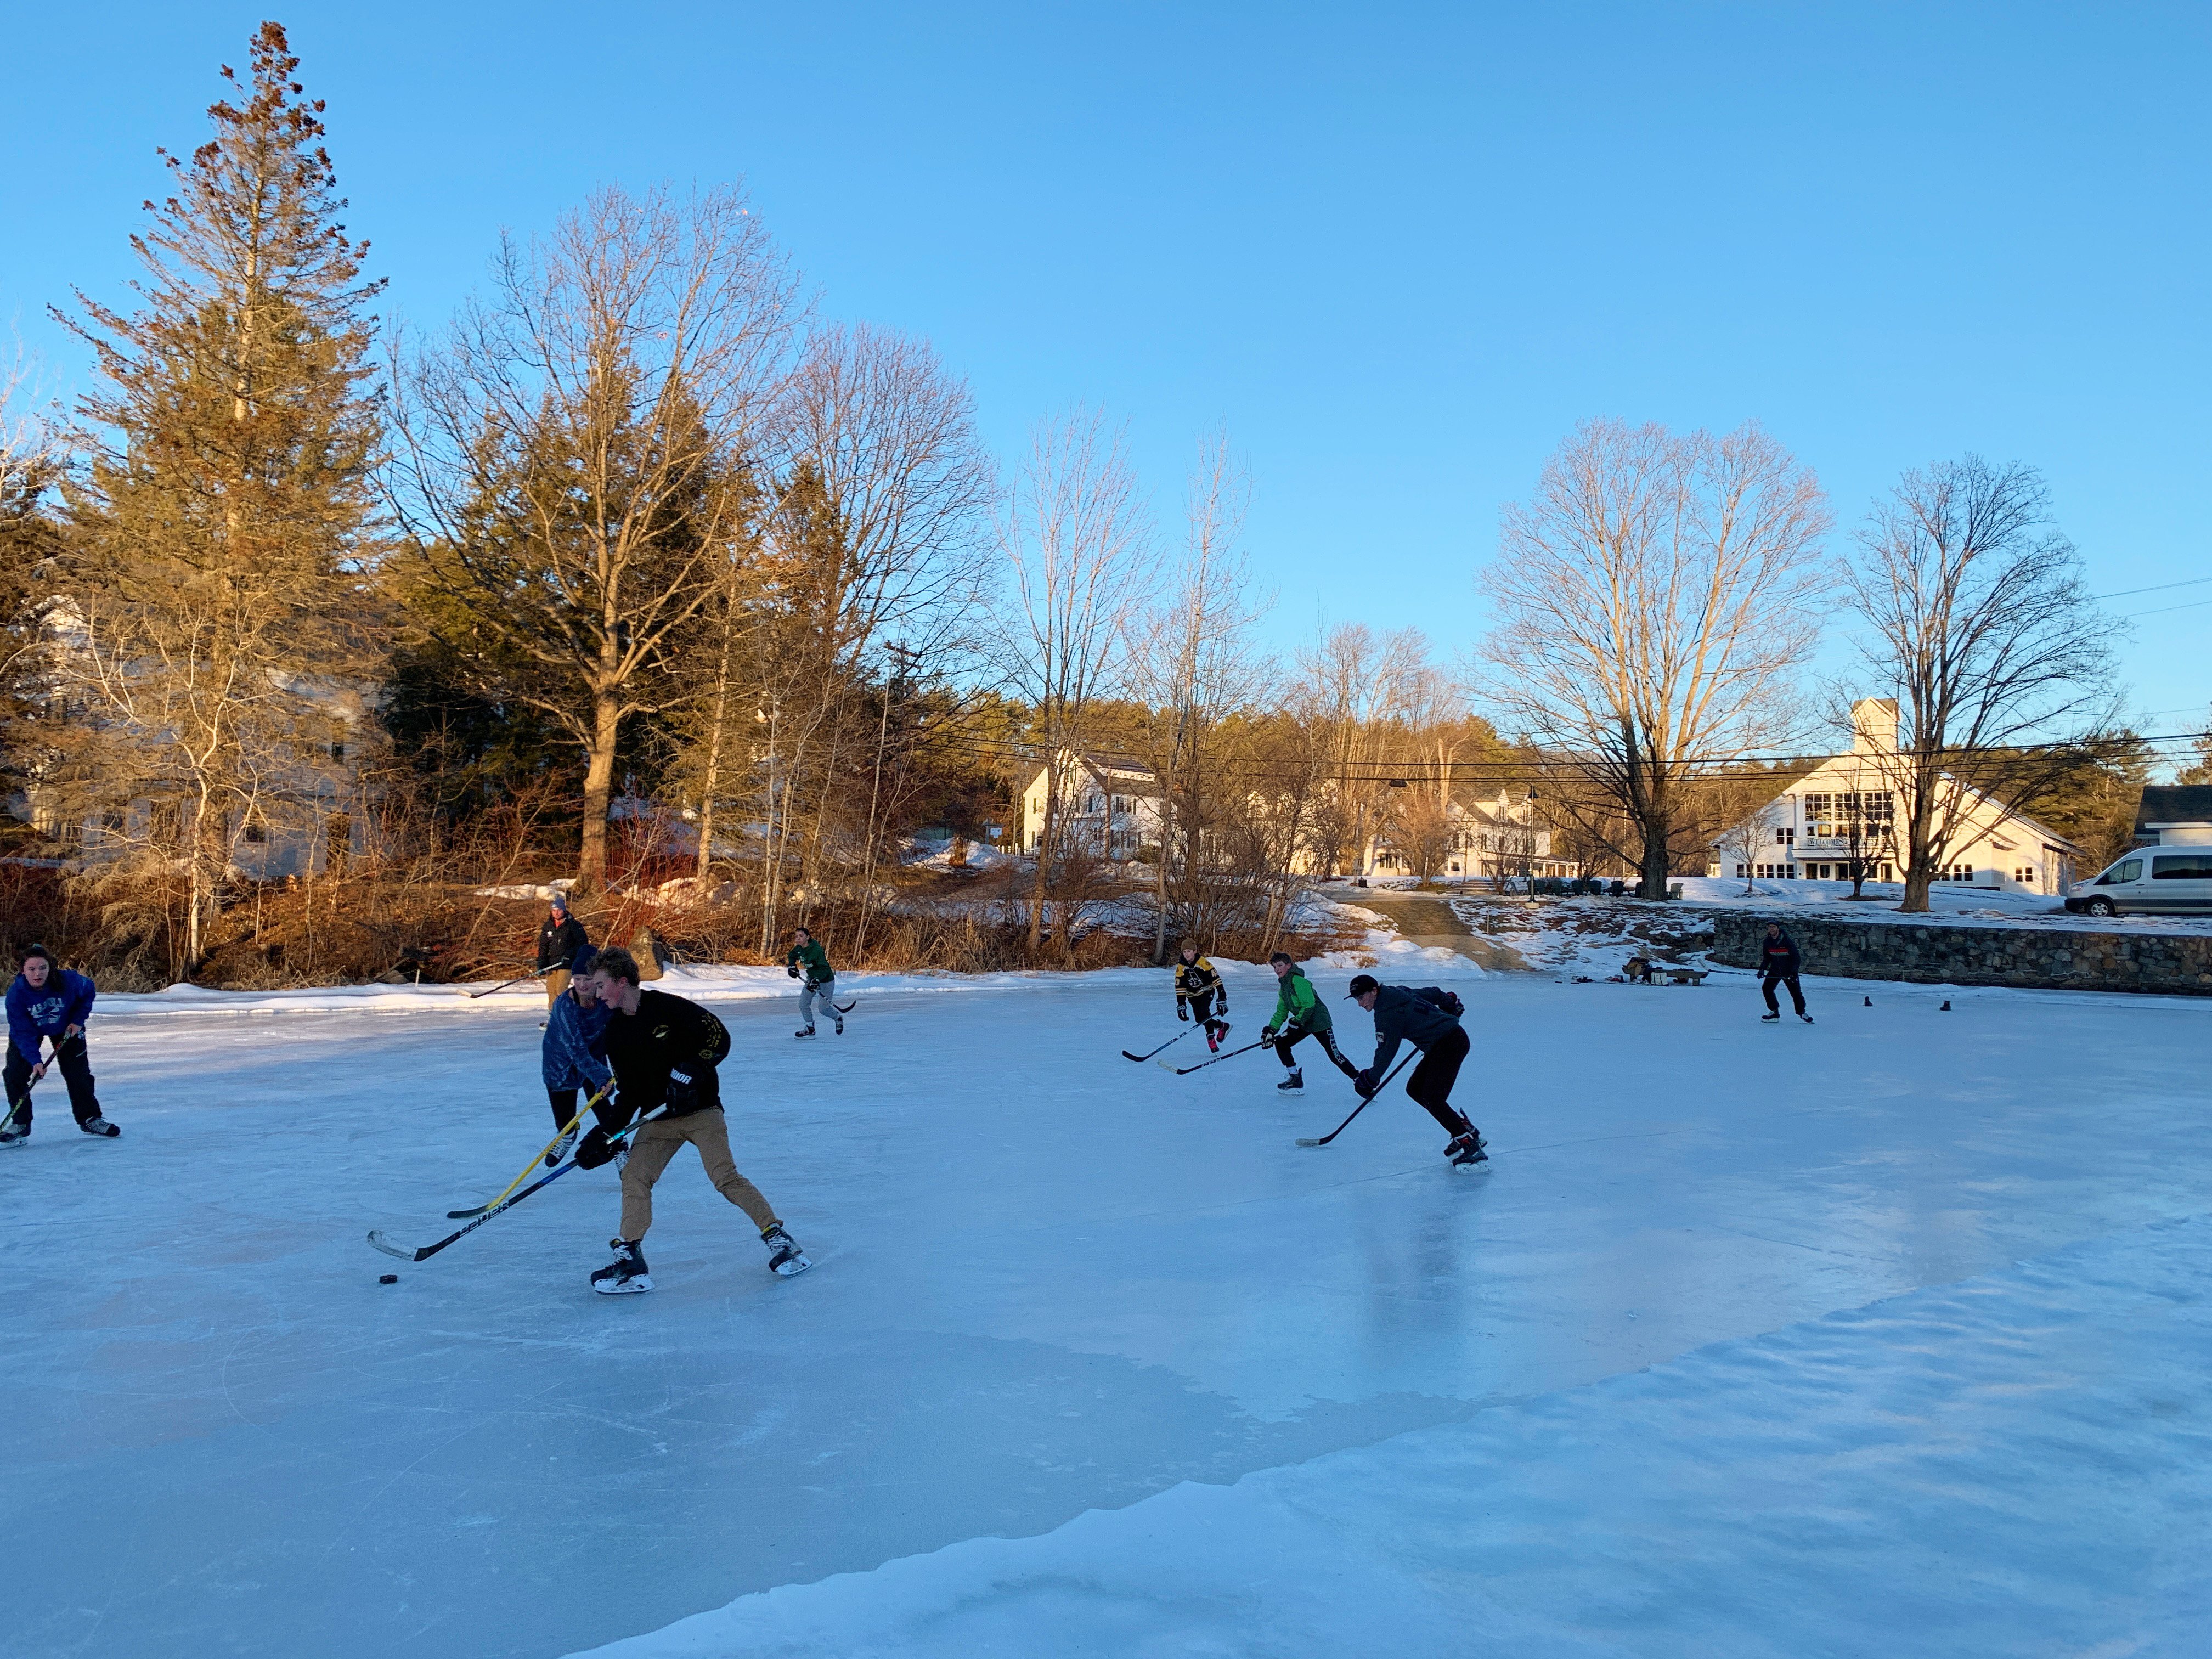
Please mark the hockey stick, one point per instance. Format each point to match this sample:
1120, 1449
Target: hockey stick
378, 1241
1363, 1105
1170, 1044
509, 986
847, 1008
567, 1128
1185, 1070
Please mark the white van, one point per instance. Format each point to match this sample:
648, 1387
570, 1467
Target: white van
2151, 880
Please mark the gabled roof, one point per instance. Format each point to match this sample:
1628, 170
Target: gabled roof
2174, 803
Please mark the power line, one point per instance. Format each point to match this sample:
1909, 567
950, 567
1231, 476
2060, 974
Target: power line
2129, 592
2161, 610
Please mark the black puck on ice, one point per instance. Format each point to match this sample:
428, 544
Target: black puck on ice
388, 1278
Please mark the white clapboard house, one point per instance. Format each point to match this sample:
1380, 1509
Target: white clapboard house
1848, 806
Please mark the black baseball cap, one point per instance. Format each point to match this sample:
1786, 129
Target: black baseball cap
1362, 984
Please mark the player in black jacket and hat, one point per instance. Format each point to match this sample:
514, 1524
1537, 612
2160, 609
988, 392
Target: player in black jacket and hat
1424, 1019
663, 1050
1780, 964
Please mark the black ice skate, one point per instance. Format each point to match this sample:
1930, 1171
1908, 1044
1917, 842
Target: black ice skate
840, 1020
561, 1148
626, 1274
807, 1032
1777, 1014
1807, 1019
14, 1131
1294, 1083
97, 1125
784, 1256
1468, 1151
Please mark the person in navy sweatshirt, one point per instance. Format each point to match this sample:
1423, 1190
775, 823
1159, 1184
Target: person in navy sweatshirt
46, 1003
1780, 964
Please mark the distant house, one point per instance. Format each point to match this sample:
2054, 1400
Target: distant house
1107, 809
2175, 815
1488, 839
1846, 807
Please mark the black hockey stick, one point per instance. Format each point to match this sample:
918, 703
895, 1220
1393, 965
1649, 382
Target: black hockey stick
509, 986
542, 1154
378, 1240
1363, 1105
847, 1008
1170, 1044
1185, 1070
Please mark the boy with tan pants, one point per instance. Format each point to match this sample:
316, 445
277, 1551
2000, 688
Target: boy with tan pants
663, 1050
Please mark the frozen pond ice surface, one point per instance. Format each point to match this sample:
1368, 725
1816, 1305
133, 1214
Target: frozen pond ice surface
1888, 1335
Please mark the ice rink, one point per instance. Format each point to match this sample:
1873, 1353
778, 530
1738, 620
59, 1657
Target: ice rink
1886, 1335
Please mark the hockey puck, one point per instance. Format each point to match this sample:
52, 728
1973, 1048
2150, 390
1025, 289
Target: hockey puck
388, 1278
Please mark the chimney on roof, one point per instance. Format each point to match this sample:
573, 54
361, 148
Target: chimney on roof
1874, 726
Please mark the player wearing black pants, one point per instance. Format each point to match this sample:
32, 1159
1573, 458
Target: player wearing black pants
1199, 994
46, 1004
1424, 1019
1779, 964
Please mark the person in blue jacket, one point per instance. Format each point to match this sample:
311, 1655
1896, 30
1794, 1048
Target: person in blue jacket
574, 1025
46, 1003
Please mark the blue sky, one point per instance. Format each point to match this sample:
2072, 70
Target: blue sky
1396, 252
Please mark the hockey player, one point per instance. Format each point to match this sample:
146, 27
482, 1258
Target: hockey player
560, 936
575, 1024
1780, 964
46, 1003
1299, 1013
808, 959
1199, 994
663, 1050
1424, 1019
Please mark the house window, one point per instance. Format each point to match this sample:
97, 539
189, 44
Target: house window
256, 831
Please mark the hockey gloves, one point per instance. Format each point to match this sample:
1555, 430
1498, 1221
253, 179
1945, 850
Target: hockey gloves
1182, 1010
1267, 1034
593, 1150
1364, 1083
682, 1094
792, 967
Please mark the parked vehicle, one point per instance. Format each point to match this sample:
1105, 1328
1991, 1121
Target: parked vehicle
2149, 881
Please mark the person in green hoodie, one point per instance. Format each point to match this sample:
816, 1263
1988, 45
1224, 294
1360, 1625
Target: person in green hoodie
1299, 1013
821, 980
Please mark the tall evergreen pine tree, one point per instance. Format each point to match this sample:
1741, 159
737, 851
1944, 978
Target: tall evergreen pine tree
220, 532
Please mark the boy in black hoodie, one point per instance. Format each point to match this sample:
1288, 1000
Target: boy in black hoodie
1422, 1018
1779, 965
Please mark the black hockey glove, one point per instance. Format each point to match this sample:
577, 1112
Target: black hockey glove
790, 968
1267, 1034
682, 1094
593, 1150
1182, 1010
1364, 1083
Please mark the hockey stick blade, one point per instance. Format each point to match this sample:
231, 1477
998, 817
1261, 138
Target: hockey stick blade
1185, 1070
1366, 1102
848, 1008
377, 1239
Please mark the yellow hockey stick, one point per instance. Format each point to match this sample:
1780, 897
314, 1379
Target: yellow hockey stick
565, 1130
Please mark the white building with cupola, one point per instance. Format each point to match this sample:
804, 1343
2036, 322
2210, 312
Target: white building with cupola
1846, 810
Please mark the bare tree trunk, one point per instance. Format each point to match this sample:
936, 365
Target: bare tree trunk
598, 792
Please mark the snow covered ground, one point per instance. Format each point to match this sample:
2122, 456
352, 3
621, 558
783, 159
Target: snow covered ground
1887, 1335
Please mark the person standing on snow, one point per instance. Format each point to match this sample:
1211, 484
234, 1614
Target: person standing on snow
574, 1025
560, 936
1779, 964
663, 1050
1199, 994
821, 980
47, 1003
1425, 1019
1299, 1013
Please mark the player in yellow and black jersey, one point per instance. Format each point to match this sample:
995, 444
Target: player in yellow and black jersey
1199, 994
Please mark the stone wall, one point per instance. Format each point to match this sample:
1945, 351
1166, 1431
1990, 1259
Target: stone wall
1951, 953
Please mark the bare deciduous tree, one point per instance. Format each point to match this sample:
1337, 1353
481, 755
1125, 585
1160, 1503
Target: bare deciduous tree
1653, 598
1078, 547
581, 460
1980, 627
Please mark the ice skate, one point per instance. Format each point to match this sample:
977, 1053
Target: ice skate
1807, 1019
840, 1023
626, 1274
1468, 1151
784, 1256
14, 1131
97, 1125
1294, 1083
561, 1148
1768, 1019
806, 1032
